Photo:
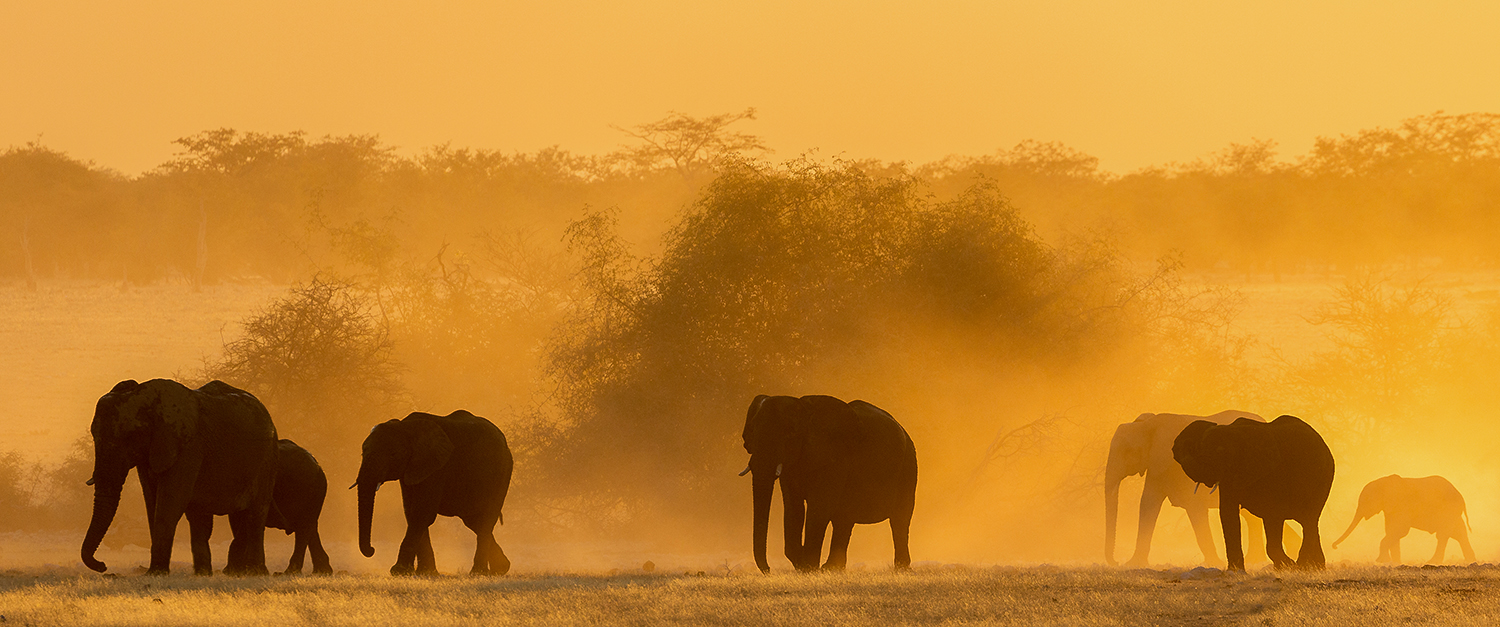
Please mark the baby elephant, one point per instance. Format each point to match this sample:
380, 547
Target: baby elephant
1430, 504
296, 503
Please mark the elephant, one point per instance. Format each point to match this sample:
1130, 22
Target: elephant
455, 465
1144, 447
1429, 503
838, 463
204, 452
1278, 470
296, 503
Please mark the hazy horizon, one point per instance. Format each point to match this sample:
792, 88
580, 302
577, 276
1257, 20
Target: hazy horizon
1135, 84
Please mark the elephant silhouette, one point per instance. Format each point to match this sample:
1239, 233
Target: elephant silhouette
1430, 504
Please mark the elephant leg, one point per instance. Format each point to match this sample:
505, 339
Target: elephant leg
1151, 502
319, 556
1229, 519
486, 551
1442, 547
1462, 535
200, 529
1198, 516
169, 509
299, 551
1310, 554
818, 519
426, 558
148, 490
248, 548
417, 540
901, 537
1391, 545
1275, 548
794, 514
838, 546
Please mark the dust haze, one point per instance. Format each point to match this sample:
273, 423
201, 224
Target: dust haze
615, 313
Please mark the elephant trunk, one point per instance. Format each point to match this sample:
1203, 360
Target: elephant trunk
1366, 509
763, 484
1111, 517
106, 502
366, 512
1115, 472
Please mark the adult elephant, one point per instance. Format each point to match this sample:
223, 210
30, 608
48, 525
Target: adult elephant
204, 452
455, 465
1278, 471
1144, 447
296, 504
838, 463
1427, 503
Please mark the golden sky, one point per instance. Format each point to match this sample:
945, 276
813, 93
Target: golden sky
1132, 82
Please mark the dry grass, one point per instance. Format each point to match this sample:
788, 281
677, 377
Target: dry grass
949, 596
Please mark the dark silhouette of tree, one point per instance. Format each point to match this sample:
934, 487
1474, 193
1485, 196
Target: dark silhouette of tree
688, 144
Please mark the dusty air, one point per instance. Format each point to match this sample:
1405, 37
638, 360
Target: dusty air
570, 342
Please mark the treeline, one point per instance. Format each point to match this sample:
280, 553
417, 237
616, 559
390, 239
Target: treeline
997, 306
235, 204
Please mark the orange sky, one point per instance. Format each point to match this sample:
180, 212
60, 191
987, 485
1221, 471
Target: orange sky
1132, 82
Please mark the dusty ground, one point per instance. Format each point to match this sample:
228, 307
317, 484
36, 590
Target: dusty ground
951, 595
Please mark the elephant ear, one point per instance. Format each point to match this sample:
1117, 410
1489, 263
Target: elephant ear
430, 450
176, 422
1129, 450
1251, 450
1194, 451
751, 424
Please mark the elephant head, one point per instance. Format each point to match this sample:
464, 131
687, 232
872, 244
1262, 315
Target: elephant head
1372, 500
785, 436
409, 451
1241, 451
1129, 455
141, 426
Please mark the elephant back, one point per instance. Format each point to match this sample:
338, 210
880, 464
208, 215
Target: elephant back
481, 460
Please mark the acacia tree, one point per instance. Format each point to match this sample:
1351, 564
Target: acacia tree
322, 362
688, 144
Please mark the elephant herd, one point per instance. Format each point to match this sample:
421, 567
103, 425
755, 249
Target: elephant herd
1276, 471
214, 451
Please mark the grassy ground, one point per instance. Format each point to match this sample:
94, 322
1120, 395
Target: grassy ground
952, 595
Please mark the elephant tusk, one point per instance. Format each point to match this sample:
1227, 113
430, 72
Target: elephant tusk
1215, 489
778, 470
745, 471
89, 482
351, 486
1195, 487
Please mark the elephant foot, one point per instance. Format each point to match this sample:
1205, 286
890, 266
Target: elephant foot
203, 572
832, 567
157, 572
248, 571
1136, 563
322, 570
403, 570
